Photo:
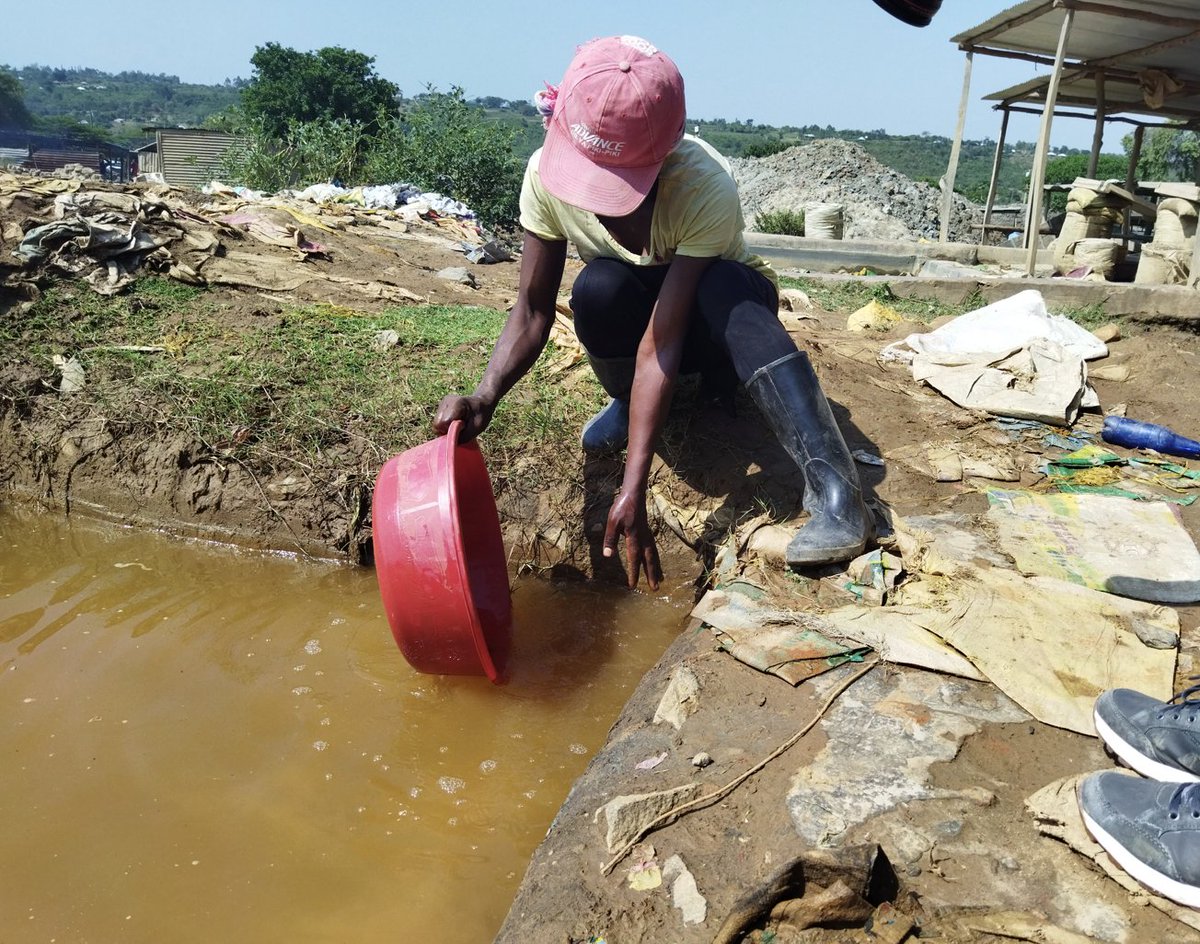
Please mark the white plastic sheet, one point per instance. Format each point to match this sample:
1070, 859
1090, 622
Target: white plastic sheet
1000, 328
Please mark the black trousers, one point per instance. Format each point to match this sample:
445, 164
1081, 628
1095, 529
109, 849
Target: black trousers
733, 324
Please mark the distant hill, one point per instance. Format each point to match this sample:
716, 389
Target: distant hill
121, 105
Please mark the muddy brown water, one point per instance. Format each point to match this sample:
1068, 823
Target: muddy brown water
205, 744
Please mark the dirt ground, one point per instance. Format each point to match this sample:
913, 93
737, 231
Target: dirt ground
718, 468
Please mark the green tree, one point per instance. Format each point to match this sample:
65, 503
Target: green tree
331, 83
1167, 154
1064, 170
13, 113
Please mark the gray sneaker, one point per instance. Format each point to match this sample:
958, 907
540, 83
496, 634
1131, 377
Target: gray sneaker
1151, 830
1160, 739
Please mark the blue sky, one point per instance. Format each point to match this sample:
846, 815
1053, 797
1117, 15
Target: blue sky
844, 63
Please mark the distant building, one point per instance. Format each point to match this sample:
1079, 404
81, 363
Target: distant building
186, 157
46, 152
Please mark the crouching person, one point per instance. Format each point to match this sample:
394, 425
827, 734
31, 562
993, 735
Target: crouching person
668, 286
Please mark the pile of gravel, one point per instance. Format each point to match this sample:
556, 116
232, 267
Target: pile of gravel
878, 202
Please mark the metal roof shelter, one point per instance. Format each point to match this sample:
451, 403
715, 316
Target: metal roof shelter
1134, 61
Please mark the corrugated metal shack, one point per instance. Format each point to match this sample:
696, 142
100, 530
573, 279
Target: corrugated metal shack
187, 157
52, 152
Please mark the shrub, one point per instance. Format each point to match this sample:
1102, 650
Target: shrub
766, 148
439, 143
310, 152
781, 222
442, 143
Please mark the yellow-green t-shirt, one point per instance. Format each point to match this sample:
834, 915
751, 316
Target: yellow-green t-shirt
697, 213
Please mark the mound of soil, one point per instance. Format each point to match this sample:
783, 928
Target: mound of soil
879, 203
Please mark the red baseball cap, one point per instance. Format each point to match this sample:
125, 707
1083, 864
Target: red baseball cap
618, 114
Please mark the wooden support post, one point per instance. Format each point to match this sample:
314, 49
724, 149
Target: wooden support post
1098, 134
1135, 155
1131, 179
991, 197
1042, 155
955, 150
1194, 274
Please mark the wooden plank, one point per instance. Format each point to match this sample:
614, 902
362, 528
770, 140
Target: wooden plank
1098, 133
955, 150
1042, 155
996, 160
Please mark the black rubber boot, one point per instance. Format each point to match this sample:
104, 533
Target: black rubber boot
790, 397
608, 430
912, 12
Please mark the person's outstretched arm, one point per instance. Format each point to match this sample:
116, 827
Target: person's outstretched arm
658, 358
520, 343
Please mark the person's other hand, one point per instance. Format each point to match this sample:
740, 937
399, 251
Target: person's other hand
474, 412
628, 517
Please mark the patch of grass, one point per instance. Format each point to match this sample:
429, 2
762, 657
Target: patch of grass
296, 384
1089, 316
162, 289
850, 296
781, 222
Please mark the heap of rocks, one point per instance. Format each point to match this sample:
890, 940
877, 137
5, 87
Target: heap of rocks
878, 202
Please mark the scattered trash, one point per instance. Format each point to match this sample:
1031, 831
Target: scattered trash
1000, 328
771, 640
1076, 440
1023, 926
873, 316
489, 253
458, 274
899, 634
680, 699
275, 226
1011, 358
945, 464
73, 378
651, 762
1133, 549
794, 300
107, 237
1136, 434
871, 577
684, 893
816, 890
1116, 373
867, 458
1087, 456
1094, 470
626, 816
1050, 645
1040, 381
644, 873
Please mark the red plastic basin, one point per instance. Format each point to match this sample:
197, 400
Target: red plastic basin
439, 559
